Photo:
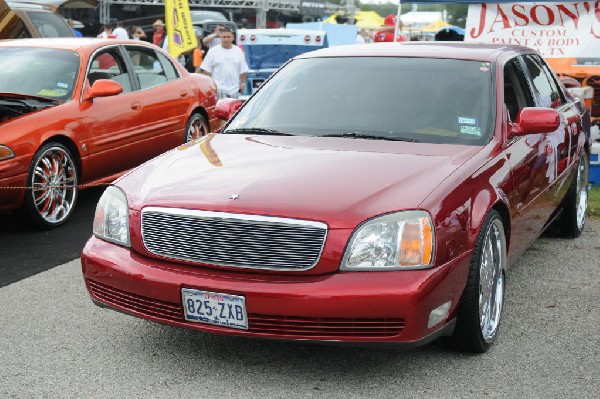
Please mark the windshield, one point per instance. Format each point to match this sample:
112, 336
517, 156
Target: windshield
38, 72
412, 99
200, 16
271, 56
587, 61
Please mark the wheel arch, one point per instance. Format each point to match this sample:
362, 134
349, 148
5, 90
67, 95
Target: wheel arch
202, 111
502, 209
70, 144
485, 201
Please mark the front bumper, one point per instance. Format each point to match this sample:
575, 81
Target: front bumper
359, 307
12, 192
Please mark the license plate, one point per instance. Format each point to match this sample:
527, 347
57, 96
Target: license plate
215, 308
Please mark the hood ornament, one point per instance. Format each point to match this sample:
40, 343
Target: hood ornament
234, 196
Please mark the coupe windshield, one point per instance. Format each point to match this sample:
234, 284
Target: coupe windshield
408, 99
38, 72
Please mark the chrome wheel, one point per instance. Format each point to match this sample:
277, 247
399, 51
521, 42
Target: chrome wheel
581, 199
491, 280
196, 127
53, 181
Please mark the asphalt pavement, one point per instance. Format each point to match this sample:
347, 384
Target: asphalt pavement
54, 343
25, 251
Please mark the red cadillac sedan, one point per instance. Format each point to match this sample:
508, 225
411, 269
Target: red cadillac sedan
364, 194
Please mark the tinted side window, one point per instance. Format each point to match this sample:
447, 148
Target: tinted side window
108, 65
543, 82
516, 90
170, 70
147, 67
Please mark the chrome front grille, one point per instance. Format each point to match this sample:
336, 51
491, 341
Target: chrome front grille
227, 239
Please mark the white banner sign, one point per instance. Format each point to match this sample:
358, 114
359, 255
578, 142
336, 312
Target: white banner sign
555, 30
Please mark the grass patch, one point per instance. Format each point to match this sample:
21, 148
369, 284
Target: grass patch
594, 202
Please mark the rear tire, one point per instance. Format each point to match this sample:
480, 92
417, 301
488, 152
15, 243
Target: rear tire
572, 221
482, 301
196, 127
53, 191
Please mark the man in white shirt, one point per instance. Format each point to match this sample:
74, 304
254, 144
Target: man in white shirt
120, 32
226, 64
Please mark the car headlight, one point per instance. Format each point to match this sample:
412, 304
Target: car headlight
6, 152
397, 241
111, 221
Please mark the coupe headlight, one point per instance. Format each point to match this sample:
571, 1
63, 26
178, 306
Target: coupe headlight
6, 152
397, 241
111, 221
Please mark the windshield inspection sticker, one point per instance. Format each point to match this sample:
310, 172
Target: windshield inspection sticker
465, 120
62, 85
474, 130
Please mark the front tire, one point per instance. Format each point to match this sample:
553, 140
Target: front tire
196, 127
483, 299
52, 181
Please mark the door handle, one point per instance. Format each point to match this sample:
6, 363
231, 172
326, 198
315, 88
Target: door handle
183, 94
136, 106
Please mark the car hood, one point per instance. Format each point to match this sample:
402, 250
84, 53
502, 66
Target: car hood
339, 181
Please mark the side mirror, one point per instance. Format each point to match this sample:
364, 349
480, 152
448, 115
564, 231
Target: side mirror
227, 107
535, 120
104, 88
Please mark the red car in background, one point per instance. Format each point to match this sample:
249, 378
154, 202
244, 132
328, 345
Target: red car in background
388, 214
80, 112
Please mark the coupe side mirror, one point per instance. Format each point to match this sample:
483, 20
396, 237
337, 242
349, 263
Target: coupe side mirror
104, 88
535, 120
227, 107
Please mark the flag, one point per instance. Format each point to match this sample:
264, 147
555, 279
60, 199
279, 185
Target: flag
180, 31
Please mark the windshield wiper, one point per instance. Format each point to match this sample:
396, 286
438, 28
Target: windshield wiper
257, 131
15, 110
356, 135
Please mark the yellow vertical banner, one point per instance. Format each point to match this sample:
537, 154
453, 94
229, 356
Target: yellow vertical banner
180, 31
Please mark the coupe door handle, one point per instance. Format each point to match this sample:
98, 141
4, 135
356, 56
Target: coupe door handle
183, 94
136, 106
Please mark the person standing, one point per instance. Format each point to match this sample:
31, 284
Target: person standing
158, 38
138, 33
72, 25
107, 33
214, 39
120, 32
226, 64
360, 37
198, 56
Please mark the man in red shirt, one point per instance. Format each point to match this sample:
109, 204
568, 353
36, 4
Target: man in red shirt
158, 38
386, 32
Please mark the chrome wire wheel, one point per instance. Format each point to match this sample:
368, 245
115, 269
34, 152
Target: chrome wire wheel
196, 127
581, 199
491, 280
53, 181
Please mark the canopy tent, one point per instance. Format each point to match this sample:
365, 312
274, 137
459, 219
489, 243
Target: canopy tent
363, 19
435, 26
